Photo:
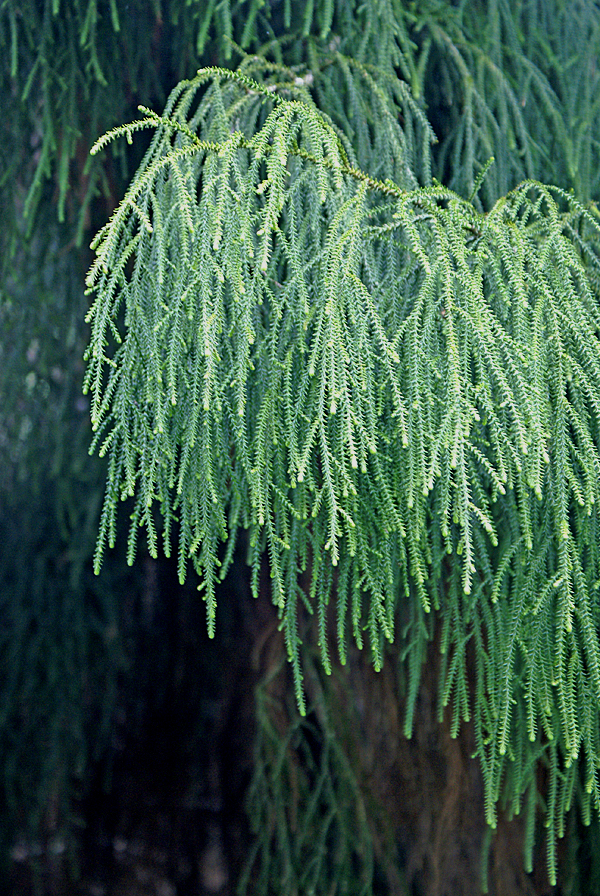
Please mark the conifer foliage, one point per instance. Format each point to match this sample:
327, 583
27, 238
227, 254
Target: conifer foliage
390, 386
346, 316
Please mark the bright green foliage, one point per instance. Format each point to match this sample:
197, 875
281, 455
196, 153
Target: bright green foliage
298, 332
395, 393
233, 357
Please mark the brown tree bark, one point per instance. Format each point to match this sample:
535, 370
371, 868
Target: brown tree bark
424, 794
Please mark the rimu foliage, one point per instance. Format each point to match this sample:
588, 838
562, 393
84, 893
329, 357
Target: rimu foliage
386, 385
393, 390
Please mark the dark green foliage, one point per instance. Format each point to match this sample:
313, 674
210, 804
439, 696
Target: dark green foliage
308, 811
514, 80
70, 69
61, 650
61, 654
518, 81
583, 867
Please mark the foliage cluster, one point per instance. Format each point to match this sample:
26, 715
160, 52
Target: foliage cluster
394, 392
323, 318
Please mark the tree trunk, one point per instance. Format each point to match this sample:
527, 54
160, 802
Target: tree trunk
424, 795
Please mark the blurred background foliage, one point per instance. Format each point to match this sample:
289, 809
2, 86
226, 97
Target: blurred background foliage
96, 673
